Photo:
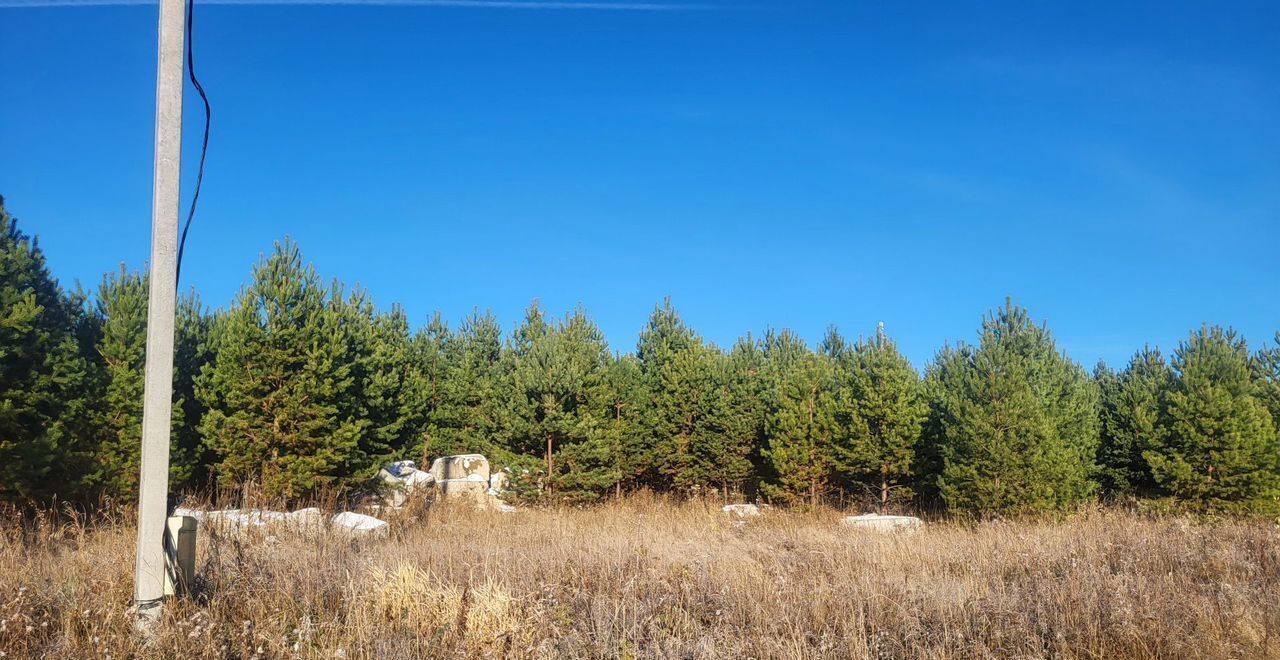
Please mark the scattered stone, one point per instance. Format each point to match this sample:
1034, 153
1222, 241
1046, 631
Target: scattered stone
879, 523
465, 489
242, 517
402, 468
465, 477
239, 520
498, 482
741, 510
358, 524
404, 477
463, 466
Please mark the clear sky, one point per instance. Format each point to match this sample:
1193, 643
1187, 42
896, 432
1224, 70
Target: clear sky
1113, 166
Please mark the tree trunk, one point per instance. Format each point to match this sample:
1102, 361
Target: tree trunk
550, 463
884, 487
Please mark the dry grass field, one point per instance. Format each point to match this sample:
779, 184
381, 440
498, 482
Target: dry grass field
651, 579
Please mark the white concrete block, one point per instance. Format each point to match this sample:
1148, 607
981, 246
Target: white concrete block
878, 523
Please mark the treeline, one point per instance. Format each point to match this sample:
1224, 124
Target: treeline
300, 386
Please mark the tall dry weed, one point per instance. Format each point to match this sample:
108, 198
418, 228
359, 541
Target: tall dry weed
655, 579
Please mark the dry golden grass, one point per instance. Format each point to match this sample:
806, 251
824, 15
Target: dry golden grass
647, 578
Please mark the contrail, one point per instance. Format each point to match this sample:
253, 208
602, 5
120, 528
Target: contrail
484, 4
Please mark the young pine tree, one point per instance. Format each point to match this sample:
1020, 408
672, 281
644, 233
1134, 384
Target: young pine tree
1131, 410
559, 379
45, 376
737, 418
881, 392
940, 376
121, 320
801, 428
1017, 421
677, 371
627, 405
713, 452
191, 352
528, 338
1266, 378
426, 391
121, 306
700, 451
377, 351
779, 353
1219, 448
280, 389
469, 419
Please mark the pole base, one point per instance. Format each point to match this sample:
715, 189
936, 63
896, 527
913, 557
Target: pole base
146, 614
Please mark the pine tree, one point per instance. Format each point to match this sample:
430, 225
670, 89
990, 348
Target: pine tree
560, 378
1131, 421
121, 306
779, 352
1266, 377
471, 412
627, 406
426, 391
45, 376
941, 375
377, 348
713, 451
738, 419
1018, 421
192, 352
692, 389
527, 338
677, 374
280, 387
883, 412
1219, 448
120, 309
121, 333
801, 428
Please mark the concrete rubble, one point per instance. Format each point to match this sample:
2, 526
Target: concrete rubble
404, 477
881, 523
741, 510
465, 477
358, 524
310, 520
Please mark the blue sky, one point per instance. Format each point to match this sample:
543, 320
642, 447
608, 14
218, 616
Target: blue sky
1113, 166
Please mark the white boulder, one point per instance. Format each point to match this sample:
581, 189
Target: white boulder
741, 510
238, 520
401, 468
880, 523
404, 477
498, 482
418, 479
242, 517
462, 466
465, 489
358, 524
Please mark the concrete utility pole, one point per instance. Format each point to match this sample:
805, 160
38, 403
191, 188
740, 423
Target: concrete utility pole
153, 491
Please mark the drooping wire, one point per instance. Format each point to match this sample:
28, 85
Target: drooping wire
204, 145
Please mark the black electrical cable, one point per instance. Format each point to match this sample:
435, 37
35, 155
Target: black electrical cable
204, 146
